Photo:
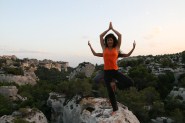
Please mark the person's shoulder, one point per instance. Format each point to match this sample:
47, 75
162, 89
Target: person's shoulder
105, 48
117, 48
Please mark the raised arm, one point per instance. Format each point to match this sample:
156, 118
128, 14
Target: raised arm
128, 54
101, 37
94, 53
118, 34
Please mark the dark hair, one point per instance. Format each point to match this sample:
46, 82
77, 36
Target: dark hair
115, 40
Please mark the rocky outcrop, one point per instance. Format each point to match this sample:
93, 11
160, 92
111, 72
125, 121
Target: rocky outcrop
85, 68
49, 64
87, 110
178, 92
18, 79
27, 114
11, 92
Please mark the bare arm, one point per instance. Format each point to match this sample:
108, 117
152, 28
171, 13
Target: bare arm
94, 53
128, 54
101, 37
118, 34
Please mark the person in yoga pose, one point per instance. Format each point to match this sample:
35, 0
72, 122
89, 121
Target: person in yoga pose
101, 74
111, 48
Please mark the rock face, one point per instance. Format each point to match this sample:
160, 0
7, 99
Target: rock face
8, 90
18, 79
30, 115
11, 93
85, 68
87, 110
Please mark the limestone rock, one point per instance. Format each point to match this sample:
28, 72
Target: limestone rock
85, 68
87, 110
9, 91
30, 115
178, 92
18, 79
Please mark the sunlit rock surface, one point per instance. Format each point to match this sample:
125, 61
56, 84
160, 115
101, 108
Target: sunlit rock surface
18, 79
11, 93
84, 68
27, 114
87, 110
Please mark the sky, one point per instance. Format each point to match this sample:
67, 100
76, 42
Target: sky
59, 30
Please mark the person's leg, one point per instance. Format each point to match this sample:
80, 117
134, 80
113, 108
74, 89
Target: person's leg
113, 85
108, 79
123, 81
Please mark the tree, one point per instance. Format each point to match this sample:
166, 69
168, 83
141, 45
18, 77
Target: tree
178, 116
63, 87
142, 77
52, 75
20, 120
165, 84
181, 80
174, 107
6, 106
166, 62
157, 109
135, 101
80, 75
183, 57
14, 71
150, 95
142, 103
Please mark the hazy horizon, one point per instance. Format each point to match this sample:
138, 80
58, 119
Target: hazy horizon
59, 30
76, 63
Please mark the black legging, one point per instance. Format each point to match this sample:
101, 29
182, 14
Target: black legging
123, 83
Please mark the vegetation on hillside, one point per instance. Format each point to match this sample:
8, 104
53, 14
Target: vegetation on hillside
148, 98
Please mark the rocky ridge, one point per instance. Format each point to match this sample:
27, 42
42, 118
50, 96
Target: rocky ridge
87, 110
29, 115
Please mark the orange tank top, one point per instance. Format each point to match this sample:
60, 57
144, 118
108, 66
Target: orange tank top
110, 59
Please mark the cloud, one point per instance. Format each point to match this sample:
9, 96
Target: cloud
27, 51
153, 33
14, 50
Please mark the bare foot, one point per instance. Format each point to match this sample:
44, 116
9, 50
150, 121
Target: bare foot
113, 113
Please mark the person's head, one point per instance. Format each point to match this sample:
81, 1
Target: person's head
110, 40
